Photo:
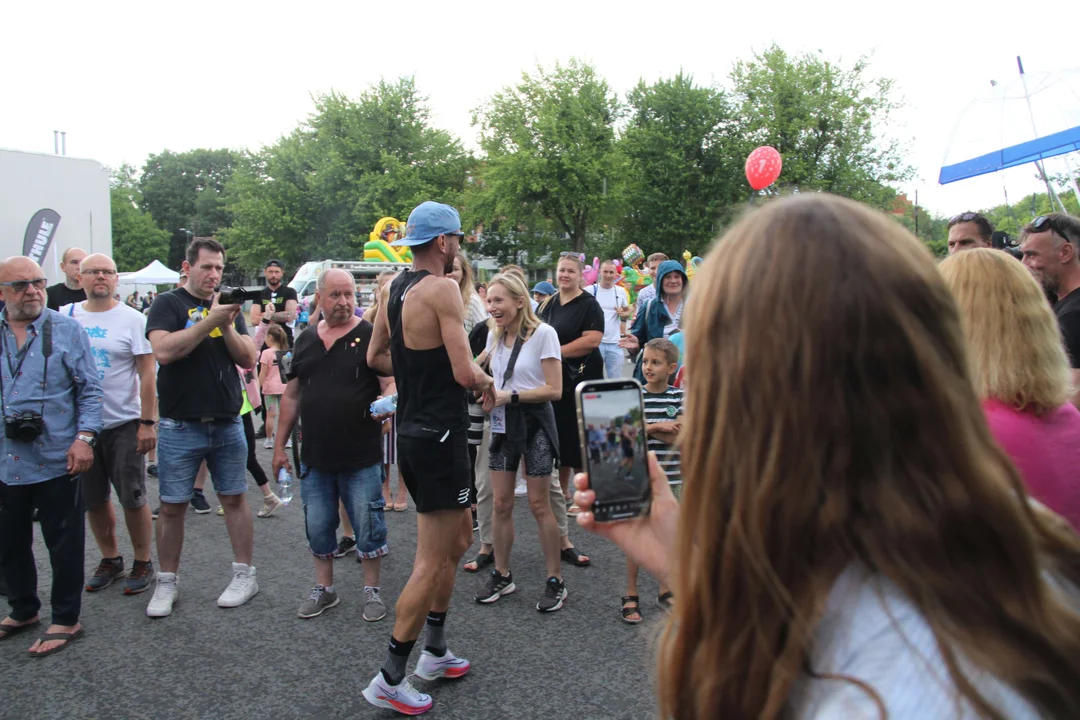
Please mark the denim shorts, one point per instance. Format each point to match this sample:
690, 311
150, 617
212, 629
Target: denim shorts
184, 444
360, 491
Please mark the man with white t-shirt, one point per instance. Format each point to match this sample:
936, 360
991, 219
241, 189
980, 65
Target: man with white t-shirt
125, 366
616, 305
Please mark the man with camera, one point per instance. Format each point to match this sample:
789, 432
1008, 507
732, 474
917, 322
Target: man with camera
125, 366
198, 340
52, 415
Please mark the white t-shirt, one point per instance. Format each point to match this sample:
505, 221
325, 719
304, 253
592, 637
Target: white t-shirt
116, 337
528, 371
610, 299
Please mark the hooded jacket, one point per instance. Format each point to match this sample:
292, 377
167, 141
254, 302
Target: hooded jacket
651, 320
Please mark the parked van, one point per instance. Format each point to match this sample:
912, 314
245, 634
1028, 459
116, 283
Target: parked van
364, 272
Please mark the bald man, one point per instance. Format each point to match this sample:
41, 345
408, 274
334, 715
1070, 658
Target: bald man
70, 290
52, 416
125, 366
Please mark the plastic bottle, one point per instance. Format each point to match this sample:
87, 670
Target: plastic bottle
384, 405
284, 478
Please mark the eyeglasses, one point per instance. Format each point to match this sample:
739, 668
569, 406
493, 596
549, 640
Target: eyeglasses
20, 286
576, 255
95, 273
1044, 223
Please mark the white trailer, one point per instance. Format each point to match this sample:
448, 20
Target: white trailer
51, 203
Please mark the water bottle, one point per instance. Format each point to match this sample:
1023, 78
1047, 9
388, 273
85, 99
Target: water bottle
384, 405
284, 478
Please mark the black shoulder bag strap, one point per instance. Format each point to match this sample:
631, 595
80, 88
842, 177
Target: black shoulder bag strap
512, 361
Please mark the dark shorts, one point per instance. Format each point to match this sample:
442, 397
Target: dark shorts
116, 461
539, 454
437, 474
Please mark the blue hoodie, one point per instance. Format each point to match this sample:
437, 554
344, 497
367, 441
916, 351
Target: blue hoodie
651, 320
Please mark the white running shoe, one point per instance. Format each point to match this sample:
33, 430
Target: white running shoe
521, 489
432, 667
288, 443
268, 443
403, 697
242, 588
165, 592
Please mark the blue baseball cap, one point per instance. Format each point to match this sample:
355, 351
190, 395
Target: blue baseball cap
544, 288
428, 221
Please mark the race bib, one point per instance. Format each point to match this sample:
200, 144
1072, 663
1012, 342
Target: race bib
498, 420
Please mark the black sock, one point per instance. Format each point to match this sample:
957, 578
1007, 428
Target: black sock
397, 657
436, 633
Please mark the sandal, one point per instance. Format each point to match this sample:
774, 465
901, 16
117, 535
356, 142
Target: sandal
573, 511
666, 601
401, 506
572, 556
481, 561
634, 609
68, 638
10, 630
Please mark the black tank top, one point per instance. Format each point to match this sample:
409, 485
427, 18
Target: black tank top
430, 402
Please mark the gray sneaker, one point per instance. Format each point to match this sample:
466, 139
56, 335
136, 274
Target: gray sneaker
320, 600
373, 605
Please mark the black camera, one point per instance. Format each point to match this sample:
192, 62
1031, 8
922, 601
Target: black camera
237, 295
24, 427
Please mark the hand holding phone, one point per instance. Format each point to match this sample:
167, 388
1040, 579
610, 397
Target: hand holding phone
650, 540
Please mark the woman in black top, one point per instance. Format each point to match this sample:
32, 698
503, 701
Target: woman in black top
579, 320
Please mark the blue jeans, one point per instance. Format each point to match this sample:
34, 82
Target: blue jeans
184, 444
613, 360
360, 491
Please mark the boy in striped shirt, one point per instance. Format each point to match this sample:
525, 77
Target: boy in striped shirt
663, 421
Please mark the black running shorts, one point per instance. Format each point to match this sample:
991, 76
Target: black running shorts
437, 474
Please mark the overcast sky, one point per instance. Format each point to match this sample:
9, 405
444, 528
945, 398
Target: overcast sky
126, 79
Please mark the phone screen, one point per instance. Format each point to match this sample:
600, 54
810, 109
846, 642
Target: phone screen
612, 427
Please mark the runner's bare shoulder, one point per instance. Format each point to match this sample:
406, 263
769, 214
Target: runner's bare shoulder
425, 305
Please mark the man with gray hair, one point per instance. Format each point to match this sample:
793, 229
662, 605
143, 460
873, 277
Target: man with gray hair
52, 416
332, 387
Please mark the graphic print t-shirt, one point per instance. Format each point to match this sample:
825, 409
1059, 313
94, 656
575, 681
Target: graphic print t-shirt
665, 407
279, 297
116, 337
204, 384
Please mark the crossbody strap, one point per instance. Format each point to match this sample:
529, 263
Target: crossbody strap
508, 373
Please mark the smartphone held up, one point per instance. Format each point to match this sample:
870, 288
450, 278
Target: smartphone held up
611, 425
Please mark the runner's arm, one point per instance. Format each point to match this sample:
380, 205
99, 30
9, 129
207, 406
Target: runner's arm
378, 353
451, 317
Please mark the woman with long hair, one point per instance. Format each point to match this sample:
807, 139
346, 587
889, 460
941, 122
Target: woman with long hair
1021, 373
579, 320
852, 542
475, 312
525, 362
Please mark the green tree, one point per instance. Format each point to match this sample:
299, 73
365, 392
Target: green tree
683, 166
828, 121
137, 241
551, 160
184, 190
319, 191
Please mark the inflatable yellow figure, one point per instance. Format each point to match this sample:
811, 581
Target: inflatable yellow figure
378, 248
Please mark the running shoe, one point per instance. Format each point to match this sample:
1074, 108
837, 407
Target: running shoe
161, 604
198, 501
432, 667
402, 697
268, 443
374, 609
140, 577
497, 586
318, 602
242, 588
108, 570
554, 596
152, 470
520, 488
154, 513
345, 546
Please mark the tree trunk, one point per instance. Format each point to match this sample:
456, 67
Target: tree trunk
577, 240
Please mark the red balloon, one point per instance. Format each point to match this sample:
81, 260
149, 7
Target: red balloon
763, 167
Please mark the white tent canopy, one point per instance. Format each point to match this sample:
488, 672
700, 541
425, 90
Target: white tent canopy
153, 274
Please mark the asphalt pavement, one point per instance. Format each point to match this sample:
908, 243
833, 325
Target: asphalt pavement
260, 660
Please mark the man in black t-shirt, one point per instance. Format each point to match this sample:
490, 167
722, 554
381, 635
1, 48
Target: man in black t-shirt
70, 290
332, 388
278, 302
1051, 251
198, 344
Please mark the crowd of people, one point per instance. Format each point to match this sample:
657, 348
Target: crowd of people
865, 465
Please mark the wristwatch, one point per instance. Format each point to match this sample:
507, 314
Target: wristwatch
514, 398
150, 423
87, 438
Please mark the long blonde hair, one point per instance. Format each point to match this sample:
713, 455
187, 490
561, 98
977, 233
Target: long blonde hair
466, 282
527, 319
1013, 340
849, 433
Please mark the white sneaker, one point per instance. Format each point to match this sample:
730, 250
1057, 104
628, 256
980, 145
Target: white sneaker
268, 443
165, 592
403, 697
288, 443
521, 489
242, 588
431, 667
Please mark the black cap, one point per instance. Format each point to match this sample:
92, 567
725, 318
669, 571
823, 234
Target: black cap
274, 263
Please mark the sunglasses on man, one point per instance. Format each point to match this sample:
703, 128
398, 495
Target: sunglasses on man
20, 286
1045, 223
